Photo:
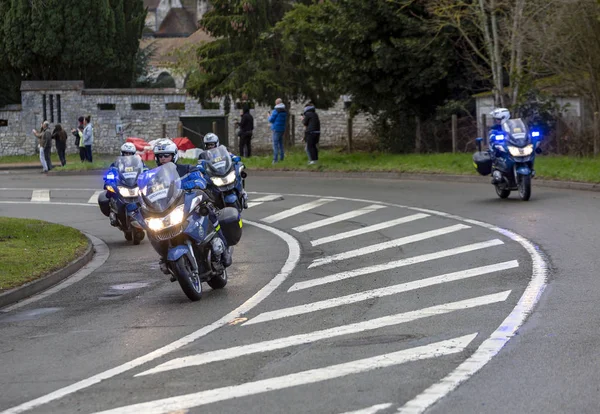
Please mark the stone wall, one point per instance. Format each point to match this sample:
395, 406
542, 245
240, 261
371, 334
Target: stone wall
114, 110
109, 108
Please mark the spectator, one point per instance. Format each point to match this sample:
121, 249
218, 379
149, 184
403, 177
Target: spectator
60, 136
245, 133
43, 136
277, 119
88, 137
78, 133
312, 133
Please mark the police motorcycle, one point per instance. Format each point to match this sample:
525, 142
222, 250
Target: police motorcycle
510, 159
176, 216
120, 183
227, 176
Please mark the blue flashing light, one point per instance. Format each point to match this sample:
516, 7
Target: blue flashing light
110, 176
535, 134
499, 137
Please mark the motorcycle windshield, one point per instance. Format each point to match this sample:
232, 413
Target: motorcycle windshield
518, 135
129, 167
218, 161
160, 188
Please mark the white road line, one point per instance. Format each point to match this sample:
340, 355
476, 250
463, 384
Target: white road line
491, 346
371, 410
297, 210
40, 196
184, 402
338, 218
94, 199
48, 203
379, 293
387, 245
286, 270
100, 256
369, 229
260, 200
295, 340
392, 265
53, 189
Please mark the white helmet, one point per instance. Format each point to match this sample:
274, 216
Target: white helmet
165, 146
211, 141
501, 114
128, 149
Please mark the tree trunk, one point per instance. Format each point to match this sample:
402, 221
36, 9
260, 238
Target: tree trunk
497, 53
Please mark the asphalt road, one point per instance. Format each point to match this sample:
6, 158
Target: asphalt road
400, 291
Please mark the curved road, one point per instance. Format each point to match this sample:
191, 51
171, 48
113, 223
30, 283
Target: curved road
374, 296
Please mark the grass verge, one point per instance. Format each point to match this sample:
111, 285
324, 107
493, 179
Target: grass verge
30, 249
547, 167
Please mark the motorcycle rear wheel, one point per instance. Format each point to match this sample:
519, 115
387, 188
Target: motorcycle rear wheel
218, 282
190, 284
502, 192
128, 235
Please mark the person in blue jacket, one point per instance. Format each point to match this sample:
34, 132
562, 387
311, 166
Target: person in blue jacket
278, 120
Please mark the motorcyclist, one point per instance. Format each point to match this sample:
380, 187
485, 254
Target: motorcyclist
499, 116
165, 151
127, 149
211, 141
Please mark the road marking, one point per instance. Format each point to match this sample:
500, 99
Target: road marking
183, 402
392, 265
53, 189
295, 340
379, 293
296, 210
47, 203
338, 218
94, 199
387, 245
371, 410
101, 255
260, 200
286, 270
369, 229
40, 196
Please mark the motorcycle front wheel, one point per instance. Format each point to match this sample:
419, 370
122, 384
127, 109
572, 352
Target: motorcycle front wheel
525, 187
190, 284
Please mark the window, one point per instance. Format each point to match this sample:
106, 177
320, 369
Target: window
3, 122
140, 106
107, 107
175, 106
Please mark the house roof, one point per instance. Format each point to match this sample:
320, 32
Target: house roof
178, 22
151, 4
163, 47
551, 85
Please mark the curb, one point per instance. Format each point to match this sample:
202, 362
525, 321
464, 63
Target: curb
566, 185
36, 286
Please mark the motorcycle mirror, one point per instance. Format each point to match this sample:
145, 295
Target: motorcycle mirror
479, 141
538, 150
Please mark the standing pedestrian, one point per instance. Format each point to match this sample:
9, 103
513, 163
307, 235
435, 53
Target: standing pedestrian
88, 137
277, 119
59, 135
312, 133
245, 133
78, 133
43, 136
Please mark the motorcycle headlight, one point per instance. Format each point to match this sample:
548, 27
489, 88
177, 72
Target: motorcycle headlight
174, 218
221, 181
129, 192
520, 152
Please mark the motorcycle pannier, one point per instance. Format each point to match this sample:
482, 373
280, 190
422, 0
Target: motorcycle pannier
104, 204
231, 225
482, 162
